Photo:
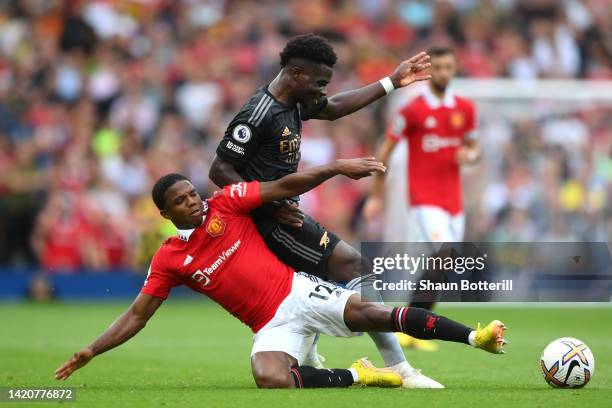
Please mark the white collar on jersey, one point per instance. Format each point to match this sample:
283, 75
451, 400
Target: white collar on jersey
434, 102
184, 234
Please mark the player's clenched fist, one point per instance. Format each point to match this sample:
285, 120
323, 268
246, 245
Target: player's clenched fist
77, 361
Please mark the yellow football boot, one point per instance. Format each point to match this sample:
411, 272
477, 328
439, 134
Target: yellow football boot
375, 377
491, 337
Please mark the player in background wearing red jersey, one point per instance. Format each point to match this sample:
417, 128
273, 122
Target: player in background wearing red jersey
439, 129
220, 253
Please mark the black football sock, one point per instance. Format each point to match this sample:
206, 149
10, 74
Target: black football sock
310, 377
425, 324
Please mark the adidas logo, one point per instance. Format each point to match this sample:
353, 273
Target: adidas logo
188, 260
430, 122
286, 132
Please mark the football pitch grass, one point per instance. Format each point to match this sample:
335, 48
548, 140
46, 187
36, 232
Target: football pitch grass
195, 354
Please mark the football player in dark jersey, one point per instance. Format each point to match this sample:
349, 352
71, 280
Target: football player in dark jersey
262, 143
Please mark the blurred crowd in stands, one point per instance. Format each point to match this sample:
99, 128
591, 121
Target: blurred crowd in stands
99, 98
548, 177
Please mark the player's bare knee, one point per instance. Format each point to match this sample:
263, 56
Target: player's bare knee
271, 379
366, 316
377, 315
271, 370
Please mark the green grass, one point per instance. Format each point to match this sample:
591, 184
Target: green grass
194, 354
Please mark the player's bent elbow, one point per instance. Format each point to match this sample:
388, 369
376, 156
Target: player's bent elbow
222, 173
215, 172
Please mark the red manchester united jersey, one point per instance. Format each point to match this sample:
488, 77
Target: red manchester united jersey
226, 259
435, 130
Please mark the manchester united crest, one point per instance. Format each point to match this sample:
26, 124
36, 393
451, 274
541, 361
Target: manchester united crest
216, 226
457, 120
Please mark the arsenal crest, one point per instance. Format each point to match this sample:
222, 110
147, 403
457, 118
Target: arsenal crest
216, 226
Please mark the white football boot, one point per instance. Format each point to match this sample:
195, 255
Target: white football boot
412, 377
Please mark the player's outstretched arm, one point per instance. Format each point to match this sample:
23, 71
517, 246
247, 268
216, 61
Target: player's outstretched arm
406, 73
286, 212
303, 181
124, 328
374, 205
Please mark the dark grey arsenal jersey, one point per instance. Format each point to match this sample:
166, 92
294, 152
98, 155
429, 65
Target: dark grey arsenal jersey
263, 140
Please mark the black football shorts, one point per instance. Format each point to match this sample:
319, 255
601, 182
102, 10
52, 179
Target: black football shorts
306, 248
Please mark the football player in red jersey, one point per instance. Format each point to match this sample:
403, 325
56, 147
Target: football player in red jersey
439, 128
263, 142
219, 252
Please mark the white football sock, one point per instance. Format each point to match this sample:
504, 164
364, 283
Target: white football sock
355, 375
472, 338
386, 343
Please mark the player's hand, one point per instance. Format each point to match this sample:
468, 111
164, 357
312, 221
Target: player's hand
466, 155
289, 213
411, 70
372, 208
77, 361
358, 168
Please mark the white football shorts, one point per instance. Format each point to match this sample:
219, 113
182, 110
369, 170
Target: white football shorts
433, 224
313, 306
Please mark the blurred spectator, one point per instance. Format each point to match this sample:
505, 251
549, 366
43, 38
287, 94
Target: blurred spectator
40, 289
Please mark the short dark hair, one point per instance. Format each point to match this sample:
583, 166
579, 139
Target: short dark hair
438, 51
310, 47
162, 185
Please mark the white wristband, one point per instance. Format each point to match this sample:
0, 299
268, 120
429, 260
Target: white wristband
387, 84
